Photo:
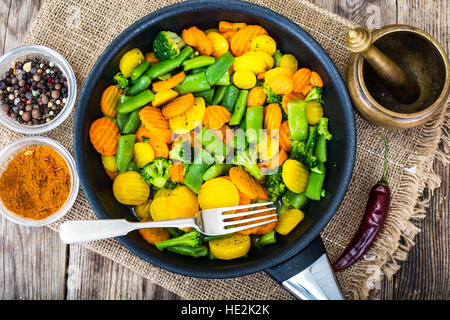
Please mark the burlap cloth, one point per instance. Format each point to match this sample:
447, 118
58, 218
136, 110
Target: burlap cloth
80, 31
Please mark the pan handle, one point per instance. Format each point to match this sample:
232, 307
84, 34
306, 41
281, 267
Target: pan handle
308, 275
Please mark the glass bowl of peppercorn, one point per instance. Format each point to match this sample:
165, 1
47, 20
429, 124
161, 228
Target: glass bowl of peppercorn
38, 181
37, 89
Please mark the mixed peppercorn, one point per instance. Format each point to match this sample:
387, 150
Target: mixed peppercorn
33, 91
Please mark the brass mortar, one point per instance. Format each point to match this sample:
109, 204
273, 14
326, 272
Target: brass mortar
393, 60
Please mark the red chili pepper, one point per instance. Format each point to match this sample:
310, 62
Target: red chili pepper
376, 210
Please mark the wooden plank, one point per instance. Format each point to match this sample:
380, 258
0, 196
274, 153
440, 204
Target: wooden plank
93, 277
32, 260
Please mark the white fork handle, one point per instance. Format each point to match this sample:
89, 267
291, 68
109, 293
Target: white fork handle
91, 230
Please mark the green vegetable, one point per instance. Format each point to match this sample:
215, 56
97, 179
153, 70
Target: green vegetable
292, 199
166, 66
247, 159
239, 141
125, 151
209, 238
198, 70
165, 76
218, 68
254, 123
277, 58
230, 97
157, 172
198, 62
196, 252
271, 97
298, 122
274, 185
120, 80
218, 169
315, 183
224, 80
181, 151
315, 95
266, 239
193, 83
213, 144
322, 128
194, 175
190, 239
133, 167
311, 142
320, 151
218, 95
133, 122
299, 153
140, 85
167, 45
174, 232
122, 120
136, 102
207, 95
139, 70
239, 107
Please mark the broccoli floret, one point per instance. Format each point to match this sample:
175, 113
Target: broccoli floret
315, 95
121, 80
322, 128
167, 45
247, 160
180, 151
274, 185
157, 172
299, 153
271, 97
190, 239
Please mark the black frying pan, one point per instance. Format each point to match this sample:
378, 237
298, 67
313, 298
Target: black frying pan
293, 253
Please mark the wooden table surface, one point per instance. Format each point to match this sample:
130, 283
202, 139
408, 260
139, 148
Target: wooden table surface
35, 264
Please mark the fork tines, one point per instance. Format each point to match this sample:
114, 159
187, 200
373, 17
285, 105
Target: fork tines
238, 223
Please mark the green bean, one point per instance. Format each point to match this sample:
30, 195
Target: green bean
213, 144
122, 120
218, 95
239, 108
166, 66
254, 123
198, 70
125, 151
196, 252
207, 95
277, 58
315, 183
239, 141
209, 238
140, 85
312, 137
218, 169
266, 239
194, 176
133, 167
139, 71
133, 123
193, 83
296, 200
320, 150
136, 102
230, 97
297, 120
224, 80
198, 62
218, 68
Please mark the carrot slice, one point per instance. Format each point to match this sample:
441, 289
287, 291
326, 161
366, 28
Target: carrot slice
315, 80
153, 117
178, 106
177, 172
240, 42
285, 142
104, 135
153, 235
198, 39
150, 57
156, 134
247, 184
215, 117
110, 100
169, 83
301, 78
272, 116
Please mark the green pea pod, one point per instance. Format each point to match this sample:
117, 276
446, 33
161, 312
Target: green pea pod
133, 123
230, 97
254, 123
209, 238
140, 85
125, 151
213, 144
194, 175
139, 71
195, 252
218, 68
139, 100
133, 167
296, 200
224, 80
198, 62
239, 141
218, 95
166, 66
199, 70
297, 120
266, 239
320, 151
193, 83
277, 58
122, 120
218, 169
207, 95
315, 183
239, 108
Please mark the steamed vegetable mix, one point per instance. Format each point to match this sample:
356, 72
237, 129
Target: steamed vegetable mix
213, 118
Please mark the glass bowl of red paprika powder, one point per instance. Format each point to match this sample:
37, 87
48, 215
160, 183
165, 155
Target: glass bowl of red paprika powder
38, 181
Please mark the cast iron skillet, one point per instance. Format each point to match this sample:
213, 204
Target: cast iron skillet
290, 38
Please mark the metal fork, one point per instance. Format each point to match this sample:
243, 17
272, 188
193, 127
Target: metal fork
210, 222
